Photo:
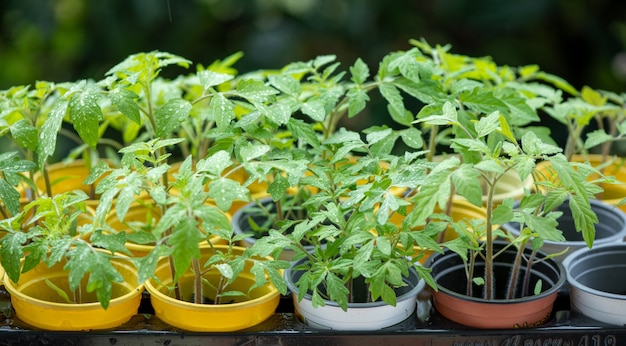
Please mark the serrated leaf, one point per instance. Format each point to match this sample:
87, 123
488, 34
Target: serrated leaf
359, 71
210, 78
85, 114
49, 131
303, 131
314, 109
279, 113
126, 102
487, 125
412, 137
377, 136
224, 191
10, 197
596, 138
171, 115
222, 110
225, 270
357, 100
215, 164
482, 102
11, 254
24, 134
467, 183
184, 242
286, 84
393, 97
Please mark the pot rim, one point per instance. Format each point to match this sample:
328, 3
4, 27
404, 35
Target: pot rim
152, 286
595, 203
552, 290
419, 286
584, 253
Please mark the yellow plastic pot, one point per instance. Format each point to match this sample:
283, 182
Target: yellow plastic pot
68, 177
39, 306
613, 193
139, 214
233, 316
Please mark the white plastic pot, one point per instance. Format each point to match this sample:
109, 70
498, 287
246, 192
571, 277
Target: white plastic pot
359, 316
597, 282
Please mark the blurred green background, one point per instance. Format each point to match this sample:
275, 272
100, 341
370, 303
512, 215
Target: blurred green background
583, 41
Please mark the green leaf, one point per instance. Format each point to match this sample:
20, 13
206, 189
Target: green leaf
126, 102
357, 101
223, 111
337, 290
482, 102
61, 293
279, 113
286, 84
184, 242
11, 254
377, 136
225, 191
115, 242
487, 125
255, 90
10, 197
359, 71
25, 134
596, 138
303, 131
251, 152
225, 270
383, 245
171, 115
278, 188
85, 114
215, 164
210, 78
393, 97
315, 109
412, 137
467, 183
49, 131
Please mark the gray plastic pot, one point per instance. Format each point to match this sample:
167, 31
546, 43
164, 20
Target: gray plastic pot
611, 228
597, 282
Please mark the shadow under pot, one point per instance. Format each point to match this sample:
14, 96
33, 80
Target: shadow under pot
361, 314
524, 310
597, 282
611, 228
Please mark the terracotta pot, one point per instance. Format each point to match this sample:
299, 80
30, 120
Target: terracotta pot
527, 311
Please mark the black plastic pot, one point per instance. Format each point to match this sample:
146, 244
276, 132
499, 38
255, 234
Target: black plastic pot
611, 228
525, 310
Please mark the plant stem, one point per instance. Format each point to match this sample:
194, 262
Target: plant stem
527, 274
515, 272
489, 295
197, 281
